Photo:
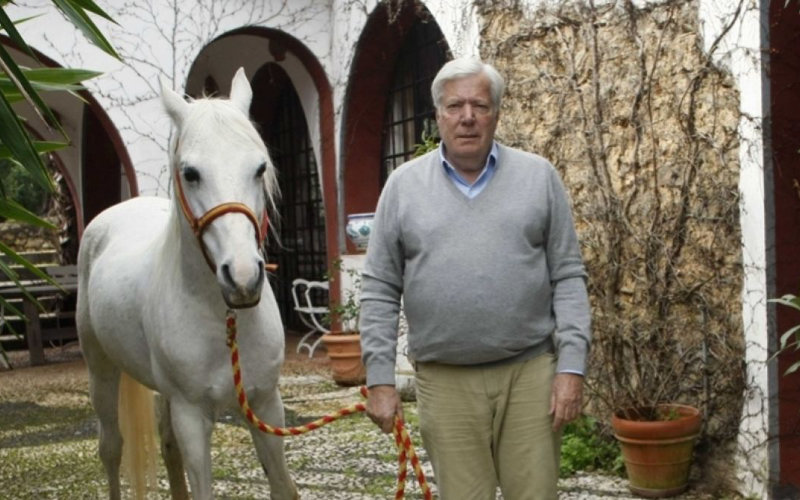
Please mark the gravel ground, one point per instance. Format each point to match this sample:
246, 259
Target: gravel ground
48, 445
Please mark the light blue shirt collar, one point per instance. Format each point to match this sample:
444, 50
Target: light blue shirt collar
471, 190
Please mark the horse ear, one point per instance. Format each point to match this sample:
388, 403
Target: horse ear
241, 92
175, 105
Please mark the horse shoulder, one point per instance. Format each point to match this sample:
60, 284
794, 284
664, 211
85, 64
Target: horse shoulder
130, 225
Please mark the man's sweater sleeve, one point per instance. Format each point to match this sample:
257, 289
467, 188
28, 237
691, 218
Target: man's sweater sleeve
568, 279
381, 290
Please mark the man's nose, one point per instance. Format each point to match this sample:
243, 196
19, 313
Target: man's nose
467, 113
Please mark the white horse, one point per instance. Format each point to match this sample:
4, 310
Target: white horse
156, 280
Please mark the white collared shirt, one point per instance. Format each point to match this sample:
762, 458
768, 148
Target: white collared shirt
471, 190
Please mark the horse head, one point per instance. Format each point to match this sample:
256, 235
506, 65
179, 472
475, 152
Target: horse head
223, 181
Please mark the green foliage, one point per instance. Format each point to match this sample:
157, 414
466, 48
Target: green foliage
669, 414
430, 139
18, 185
27, 182
585, 448
18, 198
791, 337
17, 83
348, 310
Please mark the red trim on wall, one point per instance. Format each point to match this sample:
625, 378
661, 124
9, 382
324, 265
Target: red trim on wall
116, 140
784, 21
369, 84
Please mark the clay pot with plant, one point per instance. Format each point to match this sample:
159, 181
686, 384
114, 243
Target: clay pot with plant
343, 342
649, 364
645, 396
657, 446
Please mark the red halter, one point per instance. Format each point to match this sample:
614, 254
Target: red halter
199, 225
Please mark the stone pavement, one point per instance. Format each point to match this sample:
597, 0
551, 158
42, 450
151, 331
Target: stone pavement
49, 432
350, 459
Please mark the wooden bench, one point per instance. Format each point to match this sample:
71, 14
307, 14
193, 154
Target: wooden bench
63, 310
58, 319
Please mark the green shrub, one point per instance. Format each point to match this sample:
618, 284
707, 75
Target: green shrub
585, 447
19, 185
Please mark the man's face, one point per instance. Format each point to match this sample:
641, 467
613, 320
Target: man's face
467, 121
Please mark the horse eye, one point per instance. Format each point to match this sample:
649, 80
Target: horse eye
261, 169
190, 174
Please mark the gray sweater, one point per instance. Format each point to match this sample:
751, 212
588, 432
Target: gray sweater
496, 278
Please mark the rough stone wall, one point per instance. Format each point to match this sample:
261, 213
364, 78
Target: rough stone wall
26, 238
643, 129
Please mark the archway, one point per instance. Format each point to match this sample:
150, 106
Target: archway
292, 104
387, 110
81, 185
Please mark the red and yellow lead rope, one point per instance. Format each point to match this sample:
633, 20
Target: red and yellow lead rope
405, 447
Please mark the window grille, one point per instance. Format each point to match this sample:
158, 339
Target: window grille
302, 249
410, 109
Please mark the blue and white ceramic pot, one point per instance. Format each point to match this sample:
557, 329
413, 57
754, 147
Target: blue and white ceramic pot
358, 229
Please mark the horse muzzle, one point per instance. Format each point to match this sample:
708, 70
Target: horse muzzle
241, 288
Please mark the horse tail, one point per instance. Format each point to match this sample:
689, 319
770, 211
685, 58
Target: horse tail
137, 425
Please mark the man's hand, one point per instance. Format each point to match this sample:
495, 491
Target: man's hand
566, 399
383, 404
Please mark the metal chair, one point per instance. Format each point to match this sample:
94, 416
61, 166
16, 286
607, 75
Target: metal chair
303, 293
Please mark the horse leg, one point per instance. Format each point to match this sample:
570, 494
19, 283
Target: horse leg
270, 448
192, 429
170, 452
103, 389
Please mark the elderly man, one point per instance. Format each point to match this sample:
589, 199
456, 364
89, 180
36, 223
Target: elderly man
478, 239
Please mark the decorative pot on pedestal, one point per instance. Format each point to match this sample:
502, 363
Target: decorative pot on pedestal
358, 229
658, 453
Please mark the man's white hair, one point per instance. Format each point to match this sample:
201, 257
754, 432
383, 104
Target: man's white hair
464, 67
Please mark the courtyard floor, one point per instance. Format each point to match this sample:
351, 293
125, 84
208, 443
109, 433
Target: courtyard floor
48, 445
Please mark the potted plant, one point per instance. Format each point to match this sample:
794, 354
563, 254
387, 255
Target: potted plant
344, 341
649, 371
657, 444
430, 139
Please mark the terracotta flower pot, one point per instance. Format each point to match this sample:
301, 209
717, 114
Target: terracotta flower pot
658, 453
344, 351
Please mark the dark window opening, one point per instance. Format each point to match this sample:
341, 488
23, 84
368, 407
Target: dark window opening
301, 251
410, 110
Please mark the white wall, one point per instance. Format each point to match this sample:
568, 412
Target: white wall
160, 39
732, 32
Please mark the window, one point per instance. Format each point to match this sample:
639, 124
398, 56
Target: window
410, 110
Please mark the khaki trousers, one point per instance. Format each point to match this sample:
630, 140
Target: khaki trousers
489, 426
